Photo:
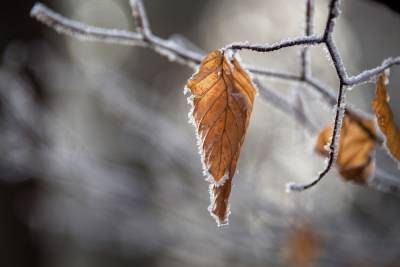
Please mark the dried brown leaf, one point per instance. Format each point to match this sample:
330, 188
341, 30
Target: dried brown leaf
384, 115
354, 160
222, 100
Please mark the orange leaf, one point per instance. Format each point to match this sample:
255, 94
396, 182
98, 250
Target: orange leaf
354, 160
222, 100
384, 115
303, 246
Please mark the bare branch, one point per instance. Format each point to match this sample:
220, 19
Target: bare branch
367, 75
299, 41
334, 12
85, 32
309, 30
342, 76
140, 17
184, 55
82, 31
332, 146
168, 48
336, 59
309, 17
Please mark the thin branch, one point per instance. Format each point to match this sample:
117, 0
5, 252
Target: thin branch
167, 48
140, 17
336, 59
341, 73
175, 52
164, 47
85, 32
332, 146
299, 41
309, 30
333, 13
82, 31
309, 17
367, 75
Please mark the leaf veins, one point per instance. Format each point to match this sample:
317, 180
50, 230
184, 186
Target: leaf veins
354, 160
384, 115
222, 100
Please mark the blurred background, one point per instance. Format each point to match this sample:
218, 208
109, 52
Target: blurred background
99, 166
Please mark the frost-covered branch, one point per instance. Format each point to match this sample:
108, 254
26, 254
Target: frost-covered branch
165, 47
85, 32
332, 146
339, 113
309, 30
82, 31
367, 75
299, 41
140, 17
176, 52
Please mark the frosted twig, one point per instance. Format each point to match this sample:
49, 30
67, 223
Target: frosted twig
299, 41
140, 17
334, 12
82, 31
336, 59
145, 38
339, 113
332, 146
164, 47
372, 73
175, 52
309, 30
179, 53
89, 33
